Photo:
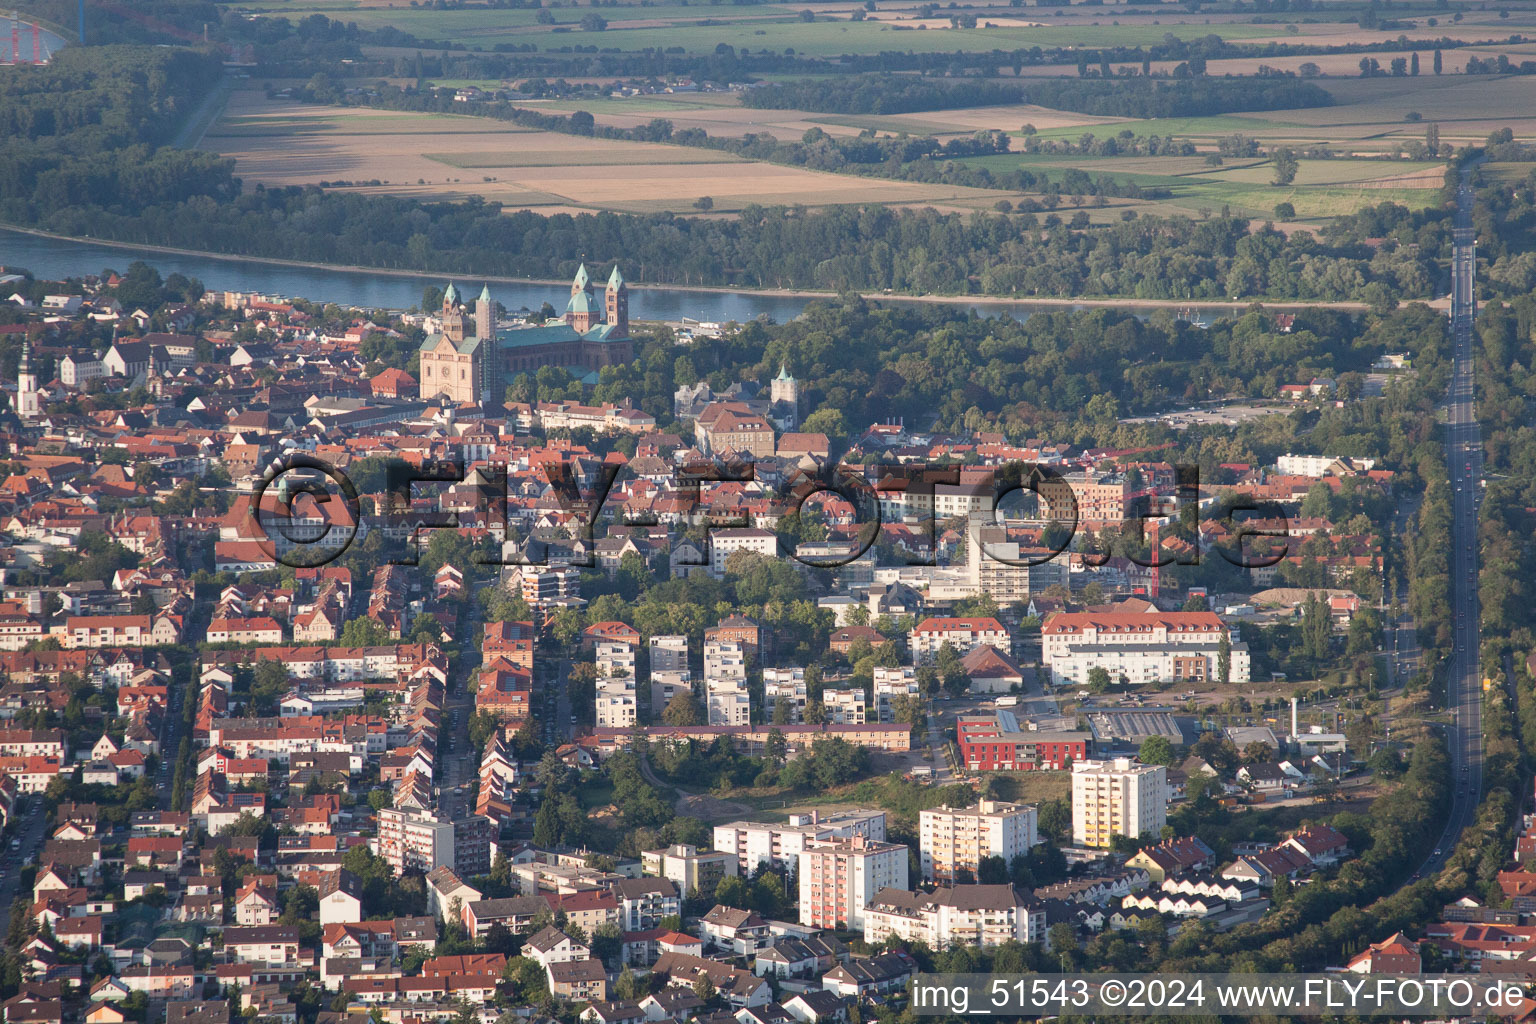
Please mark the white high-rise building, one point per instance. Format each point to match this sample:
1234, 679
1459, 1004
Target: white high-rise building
615, 661
891, 683
1121, 797
758, 844
840, 877
952, 839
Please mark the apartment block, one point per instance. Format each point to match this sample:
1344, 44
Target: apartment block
413, 839
725, 683
787, 686
1140, 647
966, 915
955, 839
779, 845
928, 637
891, 683
669, 653
728, 702
845, 707
840, 877
688, 867
1121, 797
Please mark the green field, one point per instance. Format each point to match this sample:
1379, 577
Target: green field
701, 29
1323, 188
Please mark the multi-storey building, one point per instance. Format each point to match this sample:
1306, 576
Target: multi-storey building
891, 683
414, 839
966, 915
729, 703
725, 683
1121, 797
688, 867
1140, 647
930, 635
996, 742
616, 705
766, 844
840, 877
726, 542
951, 839
784, 686
844, 707
669, 653
512, 641
998, 566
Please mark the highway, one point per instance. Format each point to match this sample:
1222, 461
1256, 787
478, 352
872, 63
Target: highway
1464, 455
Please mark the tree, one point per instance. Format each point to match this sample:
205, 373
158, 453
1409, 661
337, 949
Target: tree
1063, 938
1256, 752
733, 892
704, 203
628, 987
365, 632
703, 987
951, 669
1098, 679
1413, 64
593, 22
481, 727
1224, 660
1285, 165
776, 747
1438, 62
992, 871
1217, 751
682, 710
1157, 750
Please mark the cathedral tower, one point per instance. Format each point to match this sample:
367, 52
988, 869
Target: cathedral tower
454, 321
617, 303
485, 315
582, 312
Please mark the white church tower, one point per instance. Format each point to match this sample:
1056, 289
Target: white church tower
26, 385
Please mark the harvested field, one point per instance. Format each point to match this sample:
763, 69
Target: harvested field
279, 142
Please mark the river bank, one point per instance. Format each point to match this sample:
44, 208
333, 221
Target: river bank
725, 302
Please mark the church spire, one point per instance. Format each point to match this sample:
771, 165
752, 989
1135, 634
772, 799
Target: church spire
26, 384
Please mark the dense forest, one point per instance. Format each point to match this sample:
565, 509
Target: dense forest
86, 132
1125, 97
